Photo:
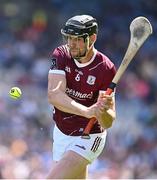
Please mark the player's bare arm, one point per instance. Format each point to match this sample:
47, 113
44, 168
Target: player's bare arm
58, 98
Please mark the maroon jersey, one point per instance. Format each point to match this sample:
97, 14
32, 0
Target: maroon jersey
83, 84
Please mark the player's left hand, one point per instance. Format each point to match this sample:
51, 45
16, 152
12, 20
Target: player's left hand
105, 110
104, 102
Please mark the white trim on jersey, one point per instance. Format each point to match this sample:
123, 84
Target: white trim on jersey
57, 71
87, 63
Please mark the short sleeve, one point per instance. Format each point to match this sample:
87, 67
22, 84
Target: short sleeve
57, 62
110, 75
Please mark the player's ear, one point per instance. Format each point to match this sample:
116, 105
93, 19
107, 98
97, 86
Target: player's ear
93, 38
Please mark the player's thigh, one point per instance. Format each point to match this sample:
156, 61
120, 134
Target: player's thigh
60, 143
91, 148
83, 174
71, 166
53, 164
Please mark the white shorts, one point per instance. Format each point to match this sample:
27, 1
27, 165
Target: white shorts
90, 149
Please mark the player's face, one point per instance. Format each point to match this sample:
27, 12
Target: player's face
77, 46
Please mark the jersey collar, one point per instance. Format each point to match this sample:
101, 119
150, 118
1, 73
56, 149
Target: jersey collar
87, 63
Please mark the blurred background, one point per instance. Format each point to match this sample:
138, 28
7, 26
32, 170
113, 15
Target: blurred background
29, 30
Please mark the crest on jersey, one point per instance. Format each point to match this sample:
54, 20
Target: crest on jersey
53, 63
91, 80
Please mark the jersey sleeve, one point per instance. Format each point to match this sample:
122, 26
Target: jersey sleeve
57, 62
111, 73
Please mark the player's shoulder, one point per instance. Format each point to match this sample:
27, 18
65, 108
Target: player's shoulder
60, 51
104, 59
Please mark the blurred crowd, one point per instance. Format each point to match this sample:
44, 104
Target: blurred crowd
29, 30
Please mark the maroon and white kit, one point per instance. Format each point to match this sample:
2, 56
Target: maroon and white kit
84, 81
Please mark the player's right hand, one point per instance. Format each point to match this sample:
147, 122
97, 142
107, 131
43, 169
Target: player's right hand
91, 111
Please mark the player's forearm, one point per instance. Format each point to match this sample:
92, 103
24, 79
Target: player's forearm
107, 118
66, 104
